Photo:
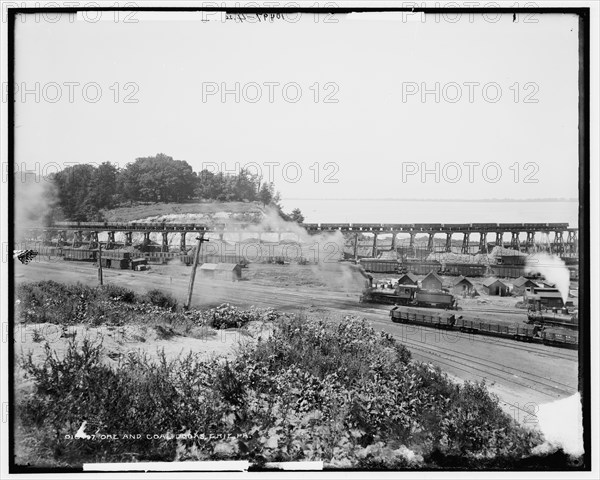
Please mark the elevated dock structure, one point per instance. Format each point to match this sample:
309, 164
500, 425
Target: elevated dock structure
559, 237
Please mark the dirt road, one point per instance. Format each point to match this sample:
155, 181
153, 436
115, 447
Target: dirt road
524, 376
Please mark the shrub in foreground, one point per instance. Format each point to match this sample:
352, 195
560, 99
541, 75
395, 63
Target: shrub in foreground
337, 392
70, 304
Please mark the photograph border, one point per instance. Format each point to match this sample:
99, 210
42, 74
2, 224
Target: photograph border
585, 339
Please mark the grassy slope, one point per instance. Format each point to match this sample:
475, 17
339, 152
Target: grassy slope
312, 390
138, 212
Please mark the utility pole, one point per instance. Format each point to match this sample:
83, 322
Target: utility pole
201, 240
100, 277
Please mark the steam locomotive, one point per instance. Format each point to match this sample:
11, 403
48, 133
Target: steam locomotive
559, 318
409, 295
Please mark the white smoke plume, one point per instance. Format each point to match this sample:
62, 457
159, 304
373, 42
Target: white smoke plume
34, 195
295, 243
553, 269
322, 250
341, 276
562, 425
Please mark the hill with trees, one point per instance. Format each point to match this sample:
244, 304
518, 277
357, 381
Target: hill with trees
83, 191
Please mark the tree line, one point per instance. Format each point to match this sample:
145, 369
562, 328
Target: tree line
82, 191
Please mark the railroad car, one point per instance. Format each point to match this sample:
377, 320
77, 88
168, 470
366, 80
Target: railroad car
137, 263
449, 321
455, 227
465, 269
366, 227
435, 299
476, 226
508, 271
379, 265
429, 226
81, 255
560, 340
311, 226
395, 226
49, 251
420, 267
331, 226
412, 315
121, 263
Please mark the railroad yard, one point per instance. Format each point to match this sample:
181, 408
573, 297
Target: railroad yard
523, 375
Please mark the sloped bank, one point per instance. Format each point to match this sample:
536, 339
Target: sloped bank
309, 390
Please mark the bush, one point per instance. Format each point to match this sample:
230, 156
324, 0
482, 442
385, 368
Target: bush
54, 302
63, 304
314, 390
118, 293
161, 299
138, 398
228, 316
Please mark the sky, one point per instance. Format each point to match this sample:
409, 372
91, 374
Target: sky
340, 113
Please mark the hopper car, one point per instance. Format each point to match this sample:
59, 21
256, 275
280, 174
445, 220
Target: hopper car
420, 267
465, 269
435, 299
509, 271
379, 265
449, 321
81, 255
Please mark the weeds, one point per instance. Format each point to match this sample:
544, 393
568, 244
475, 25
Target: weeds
313, 390
162, 300
52, 302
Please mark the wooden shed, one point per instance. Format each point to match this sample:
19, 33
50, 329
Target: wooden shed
522, 283
432, 281
408, 279
493, 286
221, 271
463, 286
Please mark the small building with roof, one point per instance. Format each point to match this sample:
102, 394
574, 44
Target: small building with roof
408, 279
463, 286
493, 286
221, 271
521, 284
432, 281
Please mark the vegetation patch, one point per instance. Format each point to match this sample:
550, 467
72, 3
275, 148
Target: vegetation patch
312, 390
75, 304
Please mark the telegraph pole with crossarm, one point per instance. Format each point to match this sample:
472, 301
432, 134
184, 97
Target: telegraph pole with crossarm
201, 240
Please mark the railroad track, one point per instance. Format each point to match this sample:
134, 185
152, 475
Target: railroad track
444, 355
301, 297
491, 367
527, 414
542, 350
434, 351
